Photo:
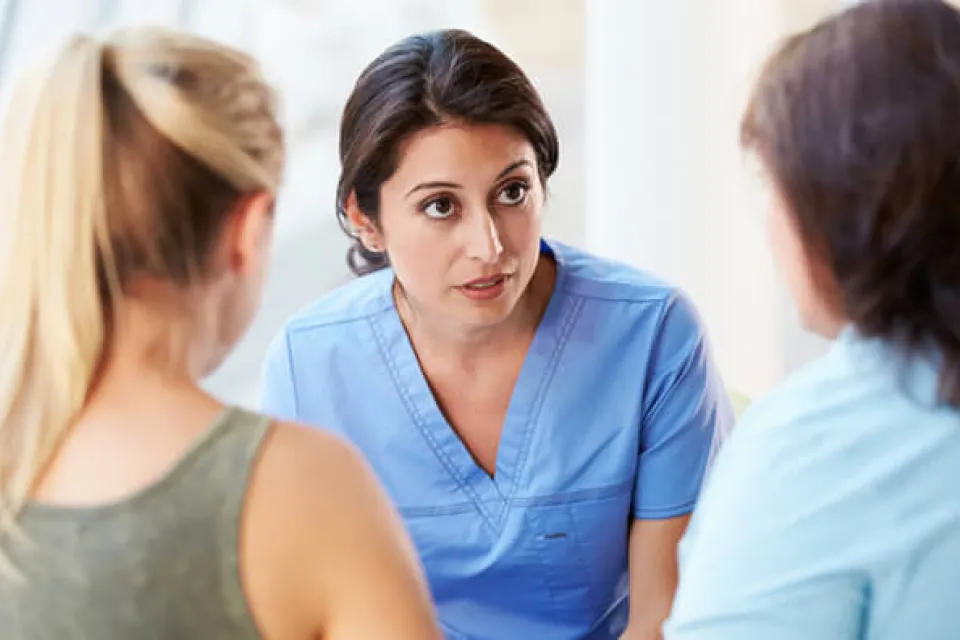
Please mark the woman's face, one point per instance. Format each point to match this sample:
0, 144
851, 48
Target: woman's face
460, 221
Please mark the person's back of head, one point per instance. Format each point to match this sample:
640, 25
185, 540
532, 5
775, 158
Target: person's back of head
856, 123
140, 176
126, 162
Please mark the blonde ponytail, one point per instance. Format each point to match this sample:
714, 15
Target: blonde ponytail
180, 92
51, 312
121, 159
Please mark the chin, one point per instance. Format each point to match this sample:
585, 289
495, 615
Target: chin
488, 316
487, 313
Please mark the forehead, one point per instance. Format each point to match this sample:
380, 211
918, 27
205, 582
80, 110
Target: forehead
459, 152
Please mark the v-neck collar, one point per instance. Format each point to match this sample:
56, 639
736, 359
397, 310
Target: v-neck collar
490, 495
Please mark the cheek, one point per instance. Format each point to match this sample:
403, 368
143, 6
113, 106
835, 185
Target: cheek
420, 253
793, 263
520, 231
779, 238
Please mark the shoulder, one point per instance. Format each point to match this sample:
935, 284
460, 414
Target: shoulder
833, 387
356, 300
300, 478
319, 535
782, 419
327, 319
631, 296
592, 276
843, 410
309, 487
806, 440
795, 485
311, 466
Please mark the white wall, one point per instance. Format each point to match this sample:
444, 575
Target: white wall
646, 95
667, 186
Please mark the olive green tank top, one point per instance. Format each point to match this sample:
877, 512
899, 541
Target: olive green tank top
162, 564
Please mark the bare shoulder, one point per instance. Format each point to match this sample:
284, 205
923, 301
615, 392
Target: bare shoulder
315, 481
292, 451
327, 541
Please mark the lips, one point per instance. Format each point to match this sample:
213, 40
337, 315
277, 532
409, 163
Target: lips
489, 282
486, 289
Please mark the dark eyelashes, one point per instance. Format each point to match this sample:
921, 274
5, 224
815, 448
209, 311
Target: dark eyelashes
515, 182
450, 199
435, 199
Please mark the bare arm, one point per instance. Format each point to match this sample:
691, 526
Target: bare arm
371, 575
341, 562
653, 575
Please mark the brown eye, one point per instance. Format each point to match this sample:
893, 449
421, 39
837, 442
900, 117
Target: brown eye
513, 194
439, 208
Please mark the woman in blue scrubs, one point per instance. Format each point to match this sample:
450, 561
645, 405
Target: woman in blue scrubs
541, 417
833, 512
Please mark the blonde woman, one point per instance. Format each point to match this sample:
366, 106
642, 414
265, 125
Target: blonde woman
139, 176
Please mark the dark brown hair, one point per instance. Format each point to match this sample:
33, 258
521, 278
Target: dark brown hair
858, 123
423, 81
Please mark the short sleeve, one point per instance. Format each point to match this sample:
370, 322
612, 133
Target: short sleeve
762, 558
687, 414
278, 398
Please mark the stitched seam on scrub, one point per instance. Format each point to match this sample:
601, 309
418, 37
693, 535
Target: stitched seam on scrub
534, 415
428, 512
418, 421
574, 497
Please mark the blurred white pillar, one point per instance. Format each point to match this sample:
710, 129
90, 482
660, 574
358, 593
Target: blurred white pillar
667, 188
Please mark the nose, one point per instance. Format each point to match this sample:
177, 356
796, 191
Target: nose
483, 237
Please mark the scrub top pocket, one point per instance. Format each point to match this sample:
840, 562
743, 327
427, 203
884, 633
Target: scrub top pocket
581, 545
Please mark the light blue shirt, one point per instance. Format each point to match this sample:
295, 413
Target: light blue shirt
833, 512
615, 416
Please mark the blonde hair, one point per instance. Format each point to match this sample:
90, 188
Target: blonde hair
122, 158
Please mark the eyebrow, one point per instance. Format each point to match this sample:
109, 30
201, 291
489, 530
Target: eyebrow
453, 185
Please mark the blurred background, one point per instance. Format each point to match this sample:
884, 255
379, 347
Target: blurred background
646, 95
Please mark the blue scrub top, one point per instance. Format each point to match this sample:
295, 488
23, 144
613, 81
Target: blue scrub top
833, 512
615, 416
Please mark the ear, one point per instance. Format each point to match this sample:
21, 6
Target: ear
250, 233
366, 230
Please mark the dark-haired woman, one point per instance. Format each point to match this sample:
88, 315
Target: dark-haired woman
834, 511
541, 417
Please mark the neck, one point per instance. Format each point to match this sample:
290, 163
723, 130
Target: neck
829, 321
448, 337
154, 337
832, 327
